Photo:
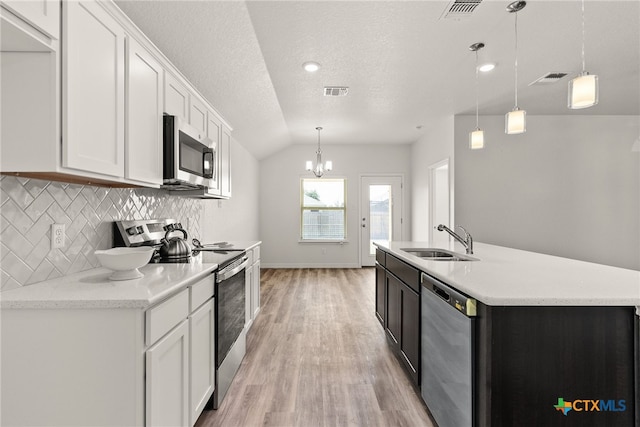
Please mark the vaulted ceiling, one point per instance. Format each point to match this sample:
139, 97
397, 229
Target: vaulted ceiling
405, 64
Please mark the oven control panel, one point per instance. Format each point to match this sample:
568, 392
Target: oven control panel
147, 232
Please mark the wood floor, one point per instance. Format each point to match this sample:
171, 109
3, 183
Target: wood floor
317, 356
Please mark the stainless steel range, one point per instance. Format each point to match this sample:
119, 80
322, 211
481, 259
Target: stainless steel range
170, 239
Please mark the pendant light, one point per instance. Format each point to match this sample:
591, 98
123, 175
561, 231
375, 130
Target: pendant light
515, 120
476, 138
583, 90
320, 168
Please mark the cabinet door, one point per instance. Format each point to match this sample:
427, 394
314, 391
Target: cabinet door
248, 276
202, 354
394, 308
176, 98
93, 97
380, 293
43, 14
225, 163
167, 380
255, 290
144, 116
214, 132
410, 338
198, 115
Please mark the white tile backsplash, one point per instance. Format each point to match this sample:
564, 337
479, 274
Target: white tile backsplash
28, 207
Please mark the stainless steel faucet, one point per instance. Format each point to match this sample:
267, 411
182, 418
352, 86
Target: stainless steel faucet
467, 241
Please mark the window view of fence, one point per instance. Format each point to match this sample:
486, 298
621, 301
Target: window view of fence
323, 209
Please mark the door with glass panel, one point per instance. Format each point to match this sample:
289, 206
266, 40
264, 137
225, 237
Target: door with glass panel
381, 213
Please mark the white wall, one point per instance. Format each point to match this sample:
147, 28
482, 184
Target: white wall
236, 218
569, 186
280, 176
435, 145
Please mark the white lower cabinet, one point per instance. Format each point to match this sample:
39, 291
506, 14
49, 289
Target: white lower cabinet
202, 367
109, 366
252, 286
167, 381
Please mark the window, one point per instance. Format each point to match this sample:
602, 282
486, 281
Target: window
323, 212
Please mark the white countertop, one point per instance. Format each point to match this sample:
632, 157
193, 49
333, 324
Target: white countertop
505, 276
93, 289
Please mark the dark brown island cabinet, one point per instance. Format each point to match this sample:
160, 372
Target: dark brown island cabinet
535, 366
398, 309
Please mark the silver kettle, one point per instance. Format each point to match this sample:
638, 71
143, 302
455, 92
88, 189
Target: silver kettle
175, 247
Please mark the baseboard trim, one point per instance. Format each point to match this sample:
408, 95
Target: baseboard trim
295, 265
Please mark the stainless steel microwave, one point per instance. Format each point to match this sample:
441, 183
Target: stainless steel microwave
189, 156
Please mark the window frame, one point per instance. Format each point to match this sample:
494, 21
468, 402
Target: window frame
303, 208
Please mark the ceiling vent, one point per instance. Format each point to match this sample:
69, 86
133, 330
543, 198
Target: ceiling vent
548, 79
460, 9
336, 91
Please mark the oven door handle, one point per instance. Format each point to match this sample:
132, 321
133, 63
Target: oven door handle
224, 275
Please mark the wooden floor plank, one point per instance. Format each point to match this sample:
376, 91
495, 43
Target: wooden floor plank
317, 356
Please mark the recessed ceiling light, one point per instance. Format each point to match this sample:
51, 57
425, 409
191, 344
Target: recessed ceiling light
486, 67
311, 66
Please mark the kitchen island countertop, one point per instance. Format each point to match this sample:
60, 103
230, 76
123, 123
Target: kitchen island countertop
506, 276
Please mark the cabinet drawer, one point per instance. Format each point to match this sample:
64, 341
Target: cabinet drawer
256, 254
380, 257
161, 318
404, 272
201, 291
249, 254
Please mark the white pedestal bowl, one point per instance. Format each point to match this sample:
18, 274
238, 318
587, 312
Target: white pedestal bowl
125, 261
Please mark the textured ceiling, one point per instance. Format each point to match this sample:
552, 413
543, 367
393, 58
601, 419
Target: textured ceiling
403, 64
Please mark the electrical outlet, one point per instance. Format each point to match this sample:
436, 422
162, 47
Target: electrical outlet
58, 236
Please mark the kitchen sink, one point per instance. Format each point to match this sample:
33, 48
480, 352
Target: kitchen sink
437, 254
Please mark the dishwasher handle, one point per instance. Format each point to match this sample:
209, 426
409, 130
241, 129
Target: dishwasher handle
441, 293
461, 302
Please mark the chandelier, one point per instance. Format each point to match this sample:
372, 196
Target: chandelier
319, 168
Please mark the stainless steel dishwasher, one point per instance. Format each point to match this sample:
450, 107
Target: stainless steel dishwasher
447, 353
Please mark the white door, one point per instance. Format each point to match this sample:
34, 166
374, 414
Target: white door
167, 380
439, 202
143, 144
381, 213
202, 353
93, 99
176, 98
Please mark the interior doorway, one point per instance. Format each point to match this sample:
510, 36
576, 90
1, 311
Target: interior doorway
381, 213
439, 201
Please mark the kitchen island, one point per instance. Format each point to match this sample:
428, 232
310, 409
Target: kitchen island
550, 341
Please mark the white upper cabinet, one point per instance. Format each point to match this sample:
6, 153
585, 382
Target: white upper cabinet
198, 115
42, 14
176, 97
85, 91
225, 163
93, 96
214, 132
144, 116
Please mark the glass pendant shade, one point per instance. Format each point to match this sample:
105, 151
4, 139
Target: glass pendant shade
476, 139
309, 166
328, 165
583, 91
515, 122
